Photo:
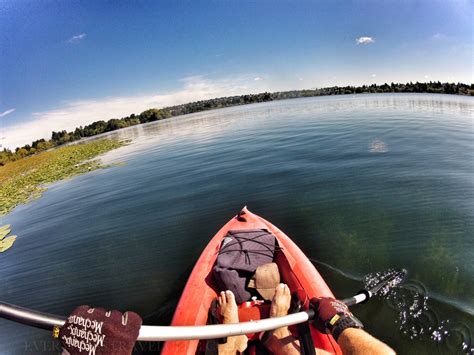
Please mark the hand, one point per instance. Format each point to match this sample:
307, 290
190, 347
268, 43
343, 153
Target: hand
93, 330
326, 309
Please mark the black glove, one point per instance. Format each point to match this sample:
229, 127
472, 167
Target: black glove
96, 331
333, 316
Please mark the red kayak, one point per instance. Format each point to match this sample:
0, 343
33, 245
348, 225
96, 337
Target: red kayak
295, 269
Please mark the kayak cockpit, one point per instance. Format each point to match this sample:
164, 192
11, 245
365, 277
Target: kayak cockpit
257, 308
302, 278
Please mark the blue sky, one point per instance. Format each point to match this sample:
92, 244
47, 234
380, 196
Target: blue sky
68, 63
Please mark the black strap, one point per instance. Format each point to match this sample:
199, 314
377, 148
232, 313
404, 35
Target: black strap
306, 341
214, 318
240, 239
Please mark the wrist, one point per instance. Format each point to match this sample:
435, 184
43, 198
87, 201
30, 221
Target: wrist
339, 323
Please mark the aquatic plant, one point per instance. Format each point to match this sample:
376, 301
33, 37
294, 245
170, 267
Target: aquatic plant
25, 179
6, 242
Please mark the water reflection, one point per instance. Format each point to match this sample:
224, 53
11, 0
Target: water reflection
126, 237
202, 127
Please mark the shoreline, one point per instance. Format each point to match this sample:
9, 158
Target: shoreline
155, 114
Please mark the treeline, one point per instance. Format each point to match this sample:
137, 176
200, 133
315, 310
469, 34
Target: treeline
98, 127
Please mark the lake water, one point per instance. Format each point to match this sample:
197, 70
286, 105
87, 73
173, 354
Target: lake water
361, 183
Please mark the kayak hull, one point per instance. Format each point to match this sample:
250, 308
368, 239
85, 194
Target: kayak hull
295, 270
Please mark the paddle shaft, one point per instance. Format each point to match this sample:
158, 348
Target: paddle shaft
164, 333
362, 297
161, 333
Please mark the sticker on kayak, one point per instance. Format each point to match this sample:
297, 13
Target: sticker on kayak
226, 241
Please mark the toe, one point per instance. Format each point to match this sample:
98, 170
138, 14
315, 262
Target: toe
230, 297
279, 290
242, 343
222, 299
281, 301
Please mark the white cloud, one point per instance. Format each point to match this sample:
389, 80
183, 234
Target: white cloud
439, 37
82, 112
373, 75
257, 78
76, 38
365, 40
7, 112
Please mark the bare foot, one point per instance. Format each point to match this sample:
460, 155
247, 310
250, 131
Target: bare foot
228, 307
230, 315
281, 341
281, 301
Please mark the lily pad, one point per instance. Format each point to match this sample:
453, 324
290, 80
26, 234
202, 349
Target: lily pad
6, 243
4, 230
26, 179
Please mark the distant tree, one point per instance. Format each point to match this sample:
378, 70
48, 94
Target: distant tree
21, 152
148, 115
5, 156
132, 120
114, 124
44, 145
35, 143
79, 132
95, 128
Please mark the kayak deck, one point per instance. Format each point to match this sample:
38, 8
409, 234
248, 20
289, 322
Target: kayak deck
295, 270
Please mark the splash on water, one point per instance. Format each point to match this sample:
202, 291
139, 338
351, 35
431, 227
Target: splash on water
416, 319
391, 278
378, 146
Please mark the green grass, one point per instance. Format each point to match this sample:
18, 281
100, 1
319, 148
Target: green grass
25, 179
